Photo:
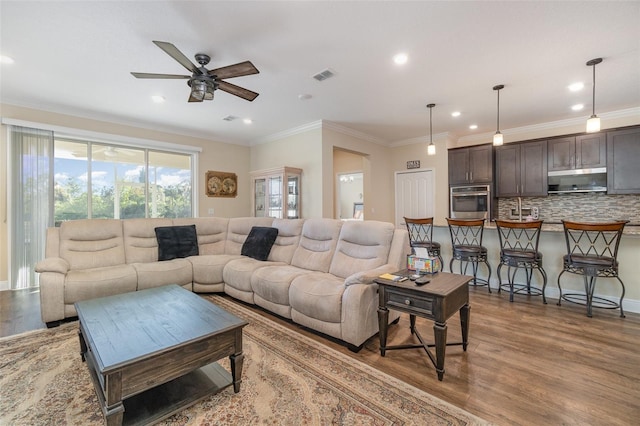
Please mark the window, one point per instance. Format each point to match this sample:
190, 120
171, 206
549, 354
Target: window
93, 180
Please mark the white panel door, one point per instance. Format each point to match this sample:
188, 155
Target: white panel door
415, 195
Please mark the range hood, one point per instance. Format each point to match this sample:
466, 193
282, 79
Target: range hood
578, 180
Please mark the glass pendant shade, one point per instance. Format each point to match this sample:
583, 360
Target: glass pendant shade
431, 149
593, 124
497, 139
198, 90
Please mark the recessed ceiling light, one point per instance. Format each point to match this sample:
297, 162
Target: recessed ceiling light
576, 87
473, 126
6, 60
577, 107
157, 99
455, 114
247, 121
400, 59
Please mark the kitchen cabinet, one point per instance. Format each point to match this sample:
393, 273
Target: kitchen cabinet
521, 169
276, 192
471, 165
577, 152
623, 158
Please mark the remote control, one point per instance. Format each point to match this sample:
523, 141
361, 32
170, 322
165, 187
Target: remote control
423, 281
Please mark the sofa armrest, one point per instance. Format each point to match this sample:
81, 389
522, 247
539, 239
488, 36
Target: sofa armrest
367, 277
52, 264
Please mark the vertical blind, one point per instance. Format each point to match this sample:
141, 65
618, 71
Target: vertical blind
31, 159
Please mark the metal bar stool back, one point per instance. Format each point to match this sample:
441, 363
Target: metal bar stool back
467, 248
592, 251
421, 235
519, 249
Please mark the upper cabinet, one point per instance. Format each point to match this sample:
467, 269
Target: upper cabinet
623, 158
471, 165
276, 193
577, 152
521, 169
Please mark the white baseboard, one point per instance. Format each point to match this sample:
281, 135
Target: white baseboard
4, 285
629, 305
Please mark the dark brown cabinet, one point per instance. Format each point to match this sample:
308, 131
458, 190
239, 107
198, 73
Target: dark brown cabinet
623, 161
577, 152
471, 165
521, 169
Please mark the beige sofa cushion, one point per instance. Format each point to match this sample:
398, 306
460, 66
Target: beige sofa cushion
140, 242
211, 232
289, 231
84, 284
92, 243
239, 228
157, 274
361, 246
317, 244
317, 295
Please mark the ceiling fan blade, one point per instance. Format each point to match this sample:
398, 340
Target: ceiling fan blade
151, 75
237, 90
236, 70
173, 51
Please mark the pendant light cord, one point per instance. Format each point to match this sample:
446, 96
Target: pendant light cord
594, 90
498, 114
430, 127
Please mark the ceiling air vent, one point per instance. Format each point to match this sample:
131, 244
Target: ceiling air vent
229, 118
323, 75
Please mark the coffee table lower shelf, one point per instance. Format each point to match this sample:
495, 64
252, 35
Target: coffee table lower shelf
156, 404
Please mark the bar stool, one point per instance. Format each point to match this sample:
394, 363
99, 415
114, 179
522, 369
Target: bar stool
421, 235
592, 251
466, 243
519, 249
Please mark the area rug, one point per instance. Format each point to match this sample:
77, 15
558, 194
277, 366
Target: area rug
288, 379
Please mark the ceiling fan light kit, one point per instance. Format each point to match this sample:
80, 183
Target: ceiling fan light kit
593, 123
204, 82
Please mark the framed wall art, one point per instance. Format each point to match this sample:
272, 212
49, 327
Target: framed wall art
221, 184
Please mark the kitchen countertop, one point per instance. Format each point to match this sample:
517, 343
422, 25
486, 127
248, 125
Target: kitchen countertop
629, 229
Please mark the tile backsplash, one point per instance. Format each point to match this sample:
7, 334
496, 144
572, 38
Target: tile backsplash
587, 207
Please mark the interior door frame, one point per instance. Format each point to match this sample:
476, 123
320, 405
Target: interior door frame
399, 222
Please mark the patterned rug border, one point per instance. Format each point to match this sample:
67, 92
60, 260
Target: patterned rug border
367, 389
382, 379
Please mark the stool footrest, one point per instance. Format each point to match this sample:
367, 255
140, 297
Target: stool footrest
596, 302
522, 289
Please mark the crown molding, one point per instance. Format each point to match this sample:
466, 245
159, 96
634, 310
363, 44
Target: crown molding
320, 124
314, 125
330, 125
443, 136
486, 137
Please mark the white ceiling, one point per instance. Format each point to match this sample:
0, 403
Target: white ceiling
76, 57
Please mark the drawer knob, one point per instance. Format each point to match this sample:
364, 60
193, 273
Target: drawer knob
407, 302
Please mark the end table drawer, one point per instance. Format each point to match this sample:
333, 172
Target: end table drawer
423, 305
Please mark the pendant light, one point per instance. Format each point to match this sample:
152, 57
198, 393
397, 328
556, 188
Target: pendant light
593, 123
431, 148
497, 138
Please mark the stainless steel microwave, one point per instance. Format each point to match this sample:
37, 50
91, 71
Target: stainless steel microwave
470, 202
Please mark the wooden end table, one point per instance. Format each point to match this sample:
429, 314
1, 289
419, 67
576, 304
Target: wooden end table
153, 352
438, 300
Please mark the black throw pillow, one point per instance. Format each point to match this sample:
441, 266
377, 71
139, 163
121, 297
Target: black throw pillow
259, 241
176, 241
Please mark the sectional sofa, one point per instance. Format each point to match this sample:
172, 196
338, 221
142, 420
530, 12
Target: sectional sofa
319, 272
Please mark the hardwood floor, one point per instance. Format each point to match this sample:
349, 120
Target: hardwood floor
526, 364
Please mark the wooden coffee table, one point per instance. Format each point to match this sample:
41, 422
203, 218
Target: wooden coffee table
151, 353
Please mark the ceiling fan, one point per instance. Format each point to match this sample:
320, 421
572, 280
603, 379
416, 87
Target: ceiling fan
204, 82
